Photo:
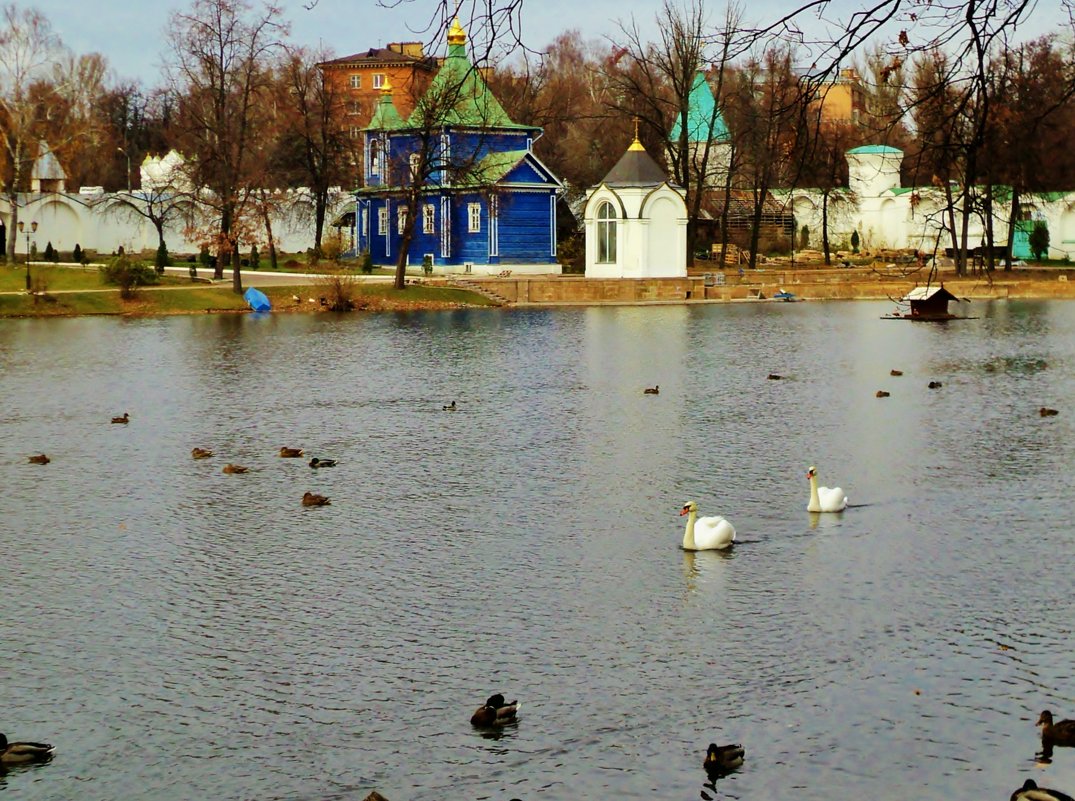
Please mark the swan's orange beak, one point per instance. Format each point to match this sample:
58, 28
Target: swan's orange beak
683, 511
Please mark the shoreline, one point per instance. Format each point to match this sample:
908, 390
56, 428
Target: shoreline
445, 292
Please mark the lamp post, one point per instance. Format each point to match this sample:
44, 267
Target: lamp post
128, 155
27, 231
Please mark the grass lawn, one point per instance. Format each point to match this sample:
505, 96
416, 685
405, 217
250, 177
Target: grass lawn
177, 295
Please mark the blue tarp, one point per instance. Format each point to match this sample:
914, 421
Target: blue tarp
257, 300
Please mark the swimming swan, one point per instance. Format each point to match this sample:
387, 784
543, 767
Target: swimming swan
705, 533
824, 499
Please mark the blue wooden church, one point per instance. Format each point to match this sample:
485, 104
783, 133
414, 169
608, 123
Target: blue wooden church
483, 201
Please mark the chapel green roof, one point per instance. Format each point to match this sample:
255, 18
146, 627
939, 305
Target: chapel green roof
705, 123
875, 150
458, 95
385, 116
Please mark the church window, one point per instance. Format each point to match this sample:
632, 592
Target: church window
382, 221
428, 218
356, 80
606, 233
375, 157
401, 219
474, 213
378, 80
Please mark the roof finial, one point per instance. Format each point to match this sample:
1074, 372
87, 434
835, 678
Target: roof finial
637, 143
456, 34
386, 88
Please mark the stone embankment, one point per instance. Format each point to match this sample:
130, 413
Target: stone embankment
857, 283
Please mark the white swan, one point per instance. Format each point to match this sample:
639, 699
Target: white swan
824, 499
705, 533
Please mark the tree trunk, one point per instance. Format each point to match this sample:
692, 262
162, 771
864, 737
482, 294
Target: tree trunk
236, 273
990, 261
960, 270
825, 227
320, 203
1013, 217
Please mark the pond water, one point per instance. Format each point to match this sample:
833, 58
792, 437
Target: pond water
178, 633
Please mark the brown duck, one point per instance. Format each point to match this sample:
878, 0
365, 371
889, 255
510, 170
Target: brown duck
124, 420
235, 468
313, 499
201, 453
1060, 733
291, 453
23, 753
40, 459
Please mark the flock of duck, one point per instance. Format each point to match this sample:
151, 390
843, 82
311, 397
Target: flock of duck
721, 760
308, 498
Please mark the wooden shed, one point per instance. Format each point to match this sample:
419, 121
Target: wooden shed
929, 303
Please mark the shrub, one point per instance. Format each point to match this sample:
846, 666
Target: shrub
804, 237
203, 256
50, 253
127, 275
162, 258
366, 262
255, 257
1039, 239
332, 246
854, 241
77, 256
337, 292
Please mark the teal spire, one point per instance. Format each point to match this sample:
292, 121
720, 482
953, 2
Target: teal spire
705, 123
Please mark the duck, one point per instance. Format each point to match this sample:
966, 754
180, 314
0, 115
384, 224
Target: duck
313, 499
495, 712
654, 390
1061, 733
40, 459
315, 462
450, 407
723, 758
934, 385
291, 453
124, 420
824, 499
705, 533
775, 377
201, 453
881, 394
24, 753
895, 372
1031, 792
1045, 411
235, 468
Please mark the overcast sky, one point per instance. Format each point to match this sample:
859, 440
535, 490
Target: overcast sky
130, 33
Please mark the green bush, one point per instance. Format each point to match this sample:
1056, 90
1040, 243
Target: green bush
127, 275
804, 237
51, 254
162, 259
366, 262
1039, 239
204, 259
854, 241
255, 257
77, 256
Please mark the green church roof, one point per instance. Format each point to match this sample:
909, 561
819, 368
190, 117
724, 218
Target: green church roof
385, 116
704, 120
875, 150
458, 95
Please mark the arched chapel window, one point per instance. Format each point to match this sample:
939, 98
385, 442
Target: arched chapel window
606, 233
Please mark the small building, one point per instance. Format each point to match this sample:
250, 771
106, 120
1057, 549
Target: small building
929, 303
47, 175
636, 221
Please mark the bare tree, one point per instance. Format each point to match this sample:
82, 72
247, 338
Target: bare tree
28, 50
313, 147
220, 70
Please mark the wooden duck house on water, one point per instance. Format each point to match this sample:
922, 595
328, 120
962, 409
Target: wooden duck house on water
927, 303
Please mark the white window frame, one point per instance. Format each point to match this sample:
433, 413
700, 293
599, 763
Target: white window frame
414, 162
378, 80
382, 221
355, 131
375, 157
474, 218
401, 219
355, 80
429, 219
606, 233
